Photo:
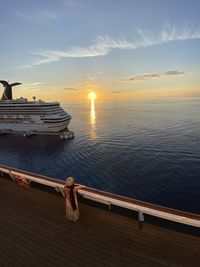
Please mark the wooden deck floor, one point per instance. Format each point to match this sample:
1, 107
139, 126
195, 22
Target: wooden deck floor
34, 232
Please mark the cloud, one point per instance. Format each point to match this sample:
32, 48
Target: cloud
115, 92
70, 89
103, 45
140, 77
146, 76
41, 17
91, 78
75, 4
34, 84
173, 73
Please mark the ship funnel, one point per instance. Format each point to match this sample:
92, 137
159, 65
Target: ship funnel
7, 94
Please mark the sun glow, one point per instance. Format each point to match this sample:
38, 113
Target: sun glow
92, 95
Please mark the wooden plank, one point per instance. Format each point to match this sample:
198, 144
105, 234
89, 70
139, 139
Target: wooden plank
34, 232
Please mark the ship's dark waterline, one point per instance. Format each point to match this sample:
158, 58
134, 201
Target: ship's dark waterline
149, 150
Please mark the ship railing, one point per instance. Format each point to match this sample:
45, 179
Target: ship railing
110, 199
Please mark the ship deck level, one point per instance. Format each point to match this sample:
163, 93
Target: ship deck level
34, 232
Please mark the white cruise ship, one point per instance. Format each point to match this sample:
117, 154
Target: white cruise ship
21, 115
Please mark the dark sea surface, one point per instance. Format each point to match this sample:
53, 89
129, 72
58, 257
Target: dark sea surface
149, 150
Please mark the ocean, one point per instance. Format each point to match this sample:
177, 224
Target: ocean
148, 150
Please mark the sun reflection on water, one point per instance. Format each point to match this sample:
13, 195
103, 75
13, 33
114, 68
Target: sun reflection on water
92, 113
93, 134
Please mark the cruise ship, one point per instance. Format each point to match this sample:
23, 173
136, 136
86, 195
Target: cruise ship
21, 115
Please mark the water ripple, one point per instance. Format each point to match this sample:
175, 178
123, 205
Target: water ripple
146, 150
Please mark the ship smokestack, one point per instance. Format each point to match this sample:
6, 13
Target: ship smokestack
7, 94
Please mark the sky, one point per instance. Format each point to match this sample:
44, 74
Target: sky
121, 49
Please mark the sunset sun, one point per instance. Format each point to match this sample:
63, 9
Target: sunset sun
92, 95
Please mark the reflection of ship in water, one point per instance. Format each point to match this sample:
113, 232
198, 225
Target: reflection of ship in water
38, 154
93, 134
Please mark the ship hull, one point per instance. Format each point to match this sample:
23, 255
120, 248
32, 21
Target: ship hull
34, 128
23, 116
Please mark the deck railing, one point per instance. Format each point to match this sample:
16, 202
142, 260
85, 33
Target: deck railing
110, 199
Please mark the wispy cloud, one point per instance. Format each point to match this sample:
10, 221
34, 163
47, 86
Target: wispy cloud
145, 76
34, 84
173, 73
70, 89
103, 45
41, 17
115, 92
75, 3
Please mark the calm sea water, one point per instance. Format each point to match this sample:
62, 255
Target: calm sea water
149, 150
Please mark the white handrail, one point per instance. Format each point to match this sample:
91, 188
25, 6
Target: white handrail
109, 199
140, 208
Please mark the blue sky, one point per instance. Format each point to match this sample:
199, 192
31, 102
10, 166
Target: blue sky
120, 49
